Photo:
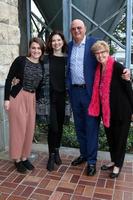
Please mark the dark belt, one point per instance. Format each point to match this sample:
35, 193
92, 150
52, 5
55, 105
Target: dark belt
79, 85
28, 90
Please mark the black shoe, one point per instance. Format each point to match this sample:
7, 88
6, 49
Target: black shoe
51, 161
20, 167
27, 164
78, 161
91, 170
114, 175
105, 167
58, 160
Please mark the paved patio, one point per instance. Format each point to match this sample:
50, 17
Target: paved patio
66, 182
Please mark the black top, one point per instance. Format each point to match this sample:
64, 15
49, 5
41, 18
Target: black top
57, 73
121, 95
17, 70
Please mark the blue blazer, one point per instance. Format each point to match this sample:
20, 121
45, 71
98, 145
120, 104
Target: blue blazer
89, 66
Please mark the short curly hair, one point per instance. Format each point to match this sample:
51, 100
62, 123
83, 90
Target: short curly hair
98, 45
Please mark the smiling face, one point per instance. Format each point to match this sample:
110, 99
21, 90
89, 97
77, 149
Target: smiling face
78, 30
57, 43
102, 56
35, 51
101, 51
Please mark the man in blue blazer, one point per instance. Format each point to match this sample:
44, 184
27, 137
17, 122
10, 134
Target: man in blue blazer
80, 77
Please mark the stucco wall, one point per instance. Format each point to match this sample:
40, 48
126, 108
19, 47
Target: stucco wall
9, 35
9, 49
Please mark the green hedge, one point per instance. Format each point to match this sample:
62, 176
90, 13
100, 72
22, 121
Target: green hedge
69, 137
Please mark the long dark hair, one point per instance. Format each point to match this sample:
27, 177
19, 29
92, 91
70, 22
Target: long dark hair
49, 48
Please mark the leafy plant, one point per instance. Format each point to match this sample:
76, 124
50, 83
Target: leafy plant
41, 131
129, 148
69, 138
103, 145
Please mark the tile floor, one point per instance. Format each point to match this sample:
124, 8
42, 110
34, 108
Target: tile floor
65, 183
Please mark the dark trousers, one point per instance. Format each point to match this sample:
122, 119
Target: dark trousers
87, 127
117, 135
57, 113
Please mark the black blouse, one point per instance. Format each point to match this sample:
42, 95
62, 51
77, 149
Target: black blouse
57, 73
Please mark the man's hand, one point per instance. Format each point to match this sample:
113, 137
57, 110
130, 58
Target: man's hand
15, 81
126, 74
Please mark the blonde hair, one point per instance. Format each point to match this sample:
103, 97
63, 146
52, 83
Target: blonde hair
98, 45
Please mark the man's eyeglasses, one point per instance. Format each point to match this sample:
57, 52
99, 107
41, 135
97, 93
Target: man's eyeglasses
76, 28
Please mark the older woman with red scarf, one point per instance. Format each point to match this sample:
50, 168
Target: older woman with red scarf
112, 98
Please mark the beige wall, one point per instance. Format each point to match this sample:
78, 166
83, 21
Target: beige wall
9, 35
9, 49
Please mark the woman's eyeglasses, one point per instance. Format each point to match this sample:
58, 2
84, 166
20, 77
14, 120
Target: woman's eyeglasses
100, 52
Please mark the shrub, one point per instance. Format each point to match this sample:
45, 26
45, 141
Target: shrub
69, 138
103, 145
129, 148
41, 131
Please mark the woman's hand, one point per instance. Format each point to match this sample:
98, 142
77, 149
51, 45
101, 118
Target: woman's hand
7, 105
126, 74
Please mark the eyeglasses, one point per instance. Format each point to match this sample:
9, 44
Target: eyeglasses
78, 28
100, 52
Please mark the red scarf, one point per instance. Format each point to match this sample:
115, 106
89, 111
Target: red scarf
104, 99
